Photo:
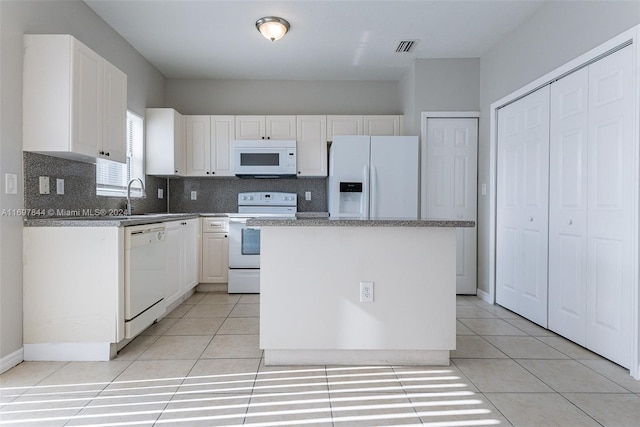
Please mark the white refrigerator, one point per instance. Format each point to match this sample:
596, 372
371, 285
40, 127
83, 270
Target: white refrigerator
373, 177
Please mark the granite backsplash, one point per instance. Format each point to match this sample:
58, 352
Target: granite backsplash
214, 195
79, 196
221, 194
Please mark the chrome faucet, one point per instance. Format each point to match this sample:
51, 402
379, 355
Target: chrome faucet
144, 193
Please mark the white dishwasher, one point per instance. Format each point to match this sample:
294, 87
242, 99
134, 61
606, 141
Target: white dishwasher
145, 277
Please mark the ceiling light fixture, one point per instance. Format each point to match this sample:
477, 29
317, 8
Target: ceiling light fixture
272, 27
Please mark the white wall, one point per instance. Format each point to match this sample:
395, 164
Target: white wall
145, 87
557, 33
283, 97
442, 85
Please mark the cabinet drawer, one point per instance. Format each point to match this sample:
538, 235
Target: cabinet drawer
214, 225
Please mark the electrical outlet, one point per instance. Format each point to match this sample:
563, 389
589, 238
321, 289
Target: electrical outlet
366, 291
194, 195
160, 193
307, 195
483, 189
44, 184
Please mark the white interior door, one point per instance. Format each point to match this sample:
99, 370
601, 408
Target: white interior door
611, 156
451, 187
522, 206
393, 177
568, 172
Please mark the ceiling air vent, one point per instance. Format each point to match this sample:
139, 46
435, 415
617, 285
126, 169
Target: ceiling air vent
406, 46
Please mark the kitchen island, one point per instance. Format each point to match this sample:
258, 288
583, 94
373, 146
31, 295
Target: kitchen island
311, 298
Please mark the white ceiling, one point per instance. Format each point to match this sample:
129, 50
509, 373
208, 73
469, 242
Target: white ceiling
328, 40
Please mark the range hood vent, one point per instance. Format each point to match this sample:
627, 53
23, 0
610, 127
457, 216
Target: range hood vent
406, 46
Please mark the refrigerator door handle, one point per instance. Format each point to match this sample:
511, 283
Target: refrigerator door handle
364, 207
372, 204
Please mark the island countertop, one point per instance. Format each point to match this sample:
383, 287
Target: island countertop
354, 222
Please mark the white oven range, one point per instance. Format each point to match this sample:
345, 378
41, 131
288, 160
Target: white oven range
244, 241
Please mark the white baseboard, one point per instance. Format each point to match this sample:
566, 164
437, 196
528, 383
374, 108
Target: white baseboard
11, 360
277, 357
69, 352
484, 296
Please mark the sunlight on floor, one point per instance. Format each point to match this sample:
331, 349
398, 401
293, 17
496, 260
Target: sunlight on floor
275, 397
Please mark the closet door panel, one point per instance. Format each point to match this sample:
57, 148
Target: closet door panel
611, 193
522, 200
568, 205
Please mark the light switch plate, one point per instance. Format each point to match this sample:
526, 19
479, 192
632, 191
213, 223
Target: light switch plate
160, 193
307, 195
60, 186
10, 183
194, 195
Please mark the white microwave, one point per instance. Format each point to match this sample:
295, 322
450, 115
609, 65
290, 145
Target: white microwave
264, 158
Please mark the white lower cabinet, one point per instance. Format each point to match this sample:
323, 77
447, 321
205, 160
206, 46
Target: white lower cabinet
182, 257
215, 250
73, 288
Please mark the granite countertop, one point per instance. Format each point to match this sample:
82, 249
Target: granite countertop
107, 221
353, 222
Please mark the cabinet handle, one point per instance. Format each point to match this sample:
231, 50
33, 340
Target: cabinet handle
213, 173
263, 137
176, 171
268, 137
207, 172
225, 236
101, 153
106, 154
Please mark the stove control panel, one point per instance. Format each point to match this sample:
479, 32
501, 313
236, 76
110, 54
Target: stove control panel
267, 199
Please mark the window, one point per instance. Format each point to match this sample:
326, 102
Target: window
112, 177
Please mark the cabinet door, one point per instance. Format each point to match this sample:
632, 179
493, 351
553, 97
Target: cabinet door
382, 125
222, 136
164, 142
568, 205
215, 257
173, 233
115, 114
612, 189
344, 125
191, 248
280, 127
250, 127
87, 113
523, 206
198, 142
311, 143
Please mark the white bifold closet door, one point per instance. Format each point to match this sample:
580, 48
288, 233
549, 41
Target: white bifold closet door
523, 206
451, 188
592, 186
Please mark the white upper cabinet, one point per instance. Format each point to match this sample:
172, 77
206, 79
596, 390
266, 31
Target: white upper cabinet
165, 150
74, 102
208, 145
265, 127
344, 125
380, 125
311, 145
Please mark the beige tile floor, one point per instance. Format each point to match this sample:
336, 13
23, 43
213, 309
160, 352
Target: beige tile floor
201, 366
